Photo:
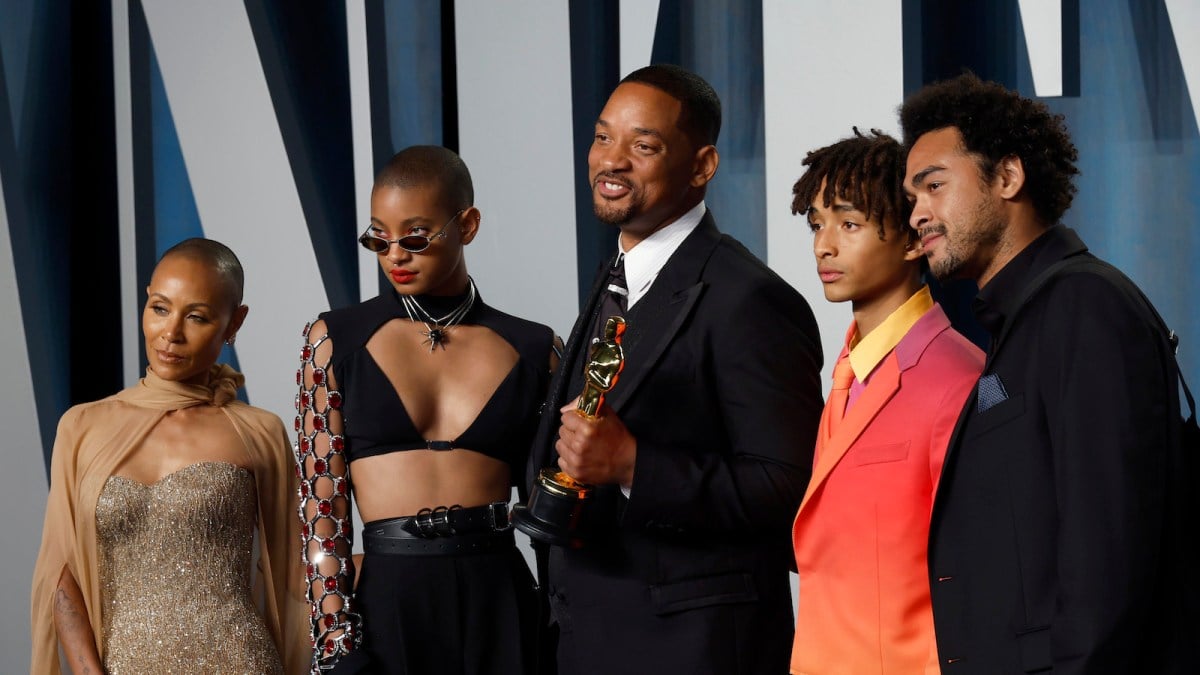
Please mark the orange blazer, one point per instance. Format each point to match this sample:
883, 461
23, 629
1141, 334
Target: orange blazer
861, 533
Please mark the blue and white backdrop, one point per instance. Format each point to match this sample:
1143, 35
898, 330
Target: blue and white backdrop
127, 125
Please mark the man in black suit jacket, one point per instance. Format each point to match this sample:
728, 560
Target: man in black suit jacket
1063, 528
704, 447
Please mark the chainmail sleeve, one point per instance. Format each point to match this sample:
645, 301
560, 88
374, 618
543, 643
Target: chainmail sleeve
326, 530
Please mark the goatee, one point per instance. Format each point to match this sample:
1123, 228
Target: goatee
611, 215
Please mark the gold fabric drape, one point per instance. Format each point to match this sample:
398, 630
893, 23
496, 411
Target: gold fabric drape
94, 438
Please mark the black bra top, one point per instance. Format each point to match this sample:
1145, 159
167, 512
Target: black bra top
374, 418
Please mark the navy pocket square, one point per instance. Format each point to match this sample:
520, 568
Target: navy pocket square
991, 393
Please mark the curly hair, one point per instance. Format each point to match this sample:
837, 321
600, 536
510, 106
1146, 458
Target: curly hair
867, 171
996, 123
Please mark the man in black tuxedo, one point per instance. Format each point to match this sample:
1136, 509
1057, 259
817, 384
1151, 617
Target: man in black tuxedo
703, 449
1063, 530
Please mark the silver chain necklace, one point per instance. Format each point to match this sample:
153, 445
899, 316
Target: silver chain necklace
437, 331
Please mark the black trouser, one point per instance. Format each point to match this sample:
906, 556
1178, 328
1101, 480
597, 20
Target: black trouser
468, 613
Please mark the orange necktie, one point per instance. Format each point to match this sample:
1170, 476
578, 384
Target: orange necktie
835, 408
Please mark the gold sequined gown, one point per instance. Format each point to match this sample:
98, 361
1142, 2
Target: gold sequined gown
175, 574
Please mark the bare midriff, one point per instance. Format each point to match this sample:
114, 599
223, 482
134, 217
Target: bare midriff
403, 483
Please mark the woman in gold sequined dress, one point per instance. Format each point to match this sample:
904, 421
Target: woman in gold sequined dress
155, 494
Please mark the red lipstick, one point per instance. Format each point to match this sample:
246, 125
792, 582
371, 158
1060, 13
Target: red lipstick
402, 276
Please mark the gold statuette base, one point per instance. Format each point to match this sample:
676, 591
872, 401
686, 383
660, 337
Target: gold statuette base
557, 503
554, 510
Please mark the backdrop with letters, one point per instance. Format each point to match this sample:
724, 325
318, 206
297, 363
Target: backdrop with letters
127, 125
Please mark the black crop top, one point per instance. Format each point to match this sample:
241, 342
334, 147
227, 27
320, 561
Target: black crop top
374, 418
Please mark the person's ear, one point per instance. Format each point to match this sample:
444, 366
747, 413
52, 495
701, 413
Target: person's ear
235, 323
1010, 176
913, 250
469, 224
704, 165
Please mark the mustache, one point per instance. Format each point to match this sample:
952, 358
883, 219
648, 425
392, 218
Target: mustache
609, 177
932, 229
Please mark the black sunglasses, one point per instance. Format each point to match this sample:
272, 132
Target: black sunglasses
413, 243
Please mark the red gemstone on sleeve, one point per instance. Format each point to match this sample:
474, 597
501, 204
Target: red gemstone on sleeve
318, 376
335, 400
319, 422
306, 352
324, 508
319, 466
337, 443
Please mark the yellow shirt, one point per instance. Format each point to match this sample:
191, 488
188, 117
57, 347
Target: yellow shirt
867, 351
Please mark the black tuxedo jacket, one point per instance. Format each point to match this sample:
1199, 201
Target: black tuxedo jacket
721, 390
1062, 536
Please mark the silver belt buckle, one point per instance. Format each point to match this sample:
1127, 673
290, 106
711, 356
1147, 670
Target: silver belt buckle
498, 512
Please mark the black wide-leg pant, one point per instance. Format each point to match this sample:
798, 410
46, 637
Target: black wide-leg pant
453, 614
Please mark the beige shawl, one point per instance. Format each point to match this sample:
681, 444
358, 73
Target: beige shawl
93, 439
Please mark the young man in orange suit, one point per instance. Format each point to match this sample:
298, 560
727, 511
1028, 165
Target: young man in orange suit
899, 383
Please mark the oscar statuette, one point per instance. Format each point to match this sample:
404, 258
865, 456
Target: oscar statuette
557, 501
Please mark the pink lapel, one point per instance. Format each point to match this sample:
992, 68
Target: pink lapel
884, 384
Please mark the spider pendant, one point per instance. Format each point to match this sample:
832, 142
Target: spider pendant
436, 337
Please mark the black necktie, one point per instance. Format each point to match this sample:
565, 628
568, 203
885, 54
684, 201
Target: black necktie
611, 302
614, 298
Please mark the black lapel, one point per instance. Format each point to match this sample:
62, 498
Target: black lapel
573, 353
955, 439
577, 345
1063, 243
656, 318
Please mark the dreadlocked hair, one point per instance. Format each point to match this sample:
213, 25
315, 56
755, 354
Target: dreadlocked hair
867, 171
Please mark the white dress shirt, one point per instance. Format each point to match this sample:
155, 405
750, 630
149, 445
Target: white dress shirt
646, 260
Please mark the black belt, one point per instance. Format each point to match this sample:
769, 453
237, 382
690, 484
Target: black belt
441, 531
